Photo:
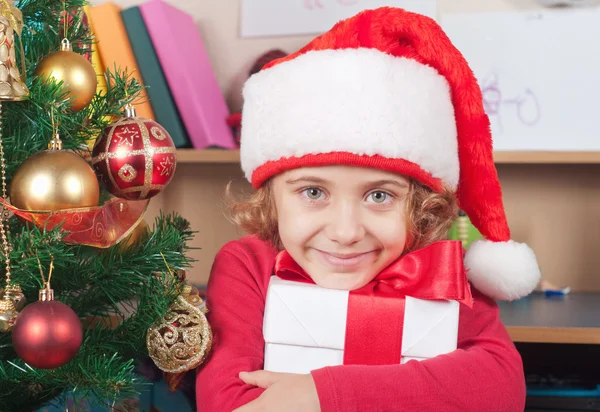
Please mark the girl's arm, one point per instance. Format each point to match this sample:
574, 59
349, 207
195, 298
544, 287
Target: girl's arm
485, 373
235, 299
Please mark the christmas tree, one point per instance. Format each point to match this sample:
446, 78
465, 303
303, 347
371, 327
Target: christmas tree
88, 287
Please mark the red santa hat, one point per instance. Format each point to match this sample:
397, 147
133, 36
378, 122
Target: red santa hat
387, 89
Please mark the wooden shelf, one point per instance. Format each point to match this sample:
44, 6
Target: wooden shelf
208, 156
566, 319
554, 335
546, 157
233, 156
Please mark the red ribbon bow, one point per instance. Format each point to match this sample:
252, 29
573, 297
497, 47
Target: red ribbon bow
375, 316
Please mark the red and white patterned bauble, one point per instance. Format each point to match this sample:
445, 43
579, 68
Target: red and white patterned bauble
134, 157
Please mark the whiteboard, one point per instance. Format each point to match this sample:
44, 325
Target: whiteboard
539, 73
297, 17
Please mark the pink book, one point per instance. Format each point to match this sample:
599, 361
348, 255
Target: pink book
189, 73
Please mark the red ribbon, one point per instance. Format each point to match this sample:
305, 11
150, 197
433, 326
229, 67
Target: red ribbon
375, 316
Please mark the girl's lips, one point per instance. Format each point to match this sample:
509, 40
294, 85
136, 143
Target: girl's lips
344, 259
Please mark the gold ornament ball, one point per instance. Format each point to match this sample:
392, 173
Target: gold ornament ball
54, 180
137, 236
75, 71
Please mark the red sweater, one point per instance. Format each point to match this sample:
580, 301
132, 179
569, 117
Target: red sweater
485, 373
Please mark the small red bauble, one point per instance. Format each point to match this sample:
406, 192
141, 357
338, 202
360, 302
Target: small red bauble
47, 334
134, 157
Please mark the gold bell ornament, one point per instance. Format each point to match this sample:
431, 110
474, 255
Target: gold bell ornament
12, 82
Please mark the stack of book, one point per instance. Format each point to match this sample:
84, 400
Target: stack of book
161, 47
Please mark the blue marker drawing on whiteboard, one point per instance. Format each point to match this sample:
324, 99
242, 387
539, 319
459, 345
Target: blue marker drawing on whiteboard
526, 103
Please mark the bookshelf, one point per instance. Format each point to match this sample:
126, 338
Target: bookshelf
566, 319
208, 156
534, 157
550, 199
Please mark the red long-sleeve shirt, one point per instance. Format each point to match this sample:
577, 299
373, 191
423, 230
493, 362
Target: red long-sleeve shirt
485, 373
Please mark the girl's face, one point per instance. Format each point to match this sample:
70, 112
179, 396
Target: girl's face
343, 225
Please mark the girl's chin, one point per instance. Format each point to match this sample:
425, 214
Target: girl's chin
342, 281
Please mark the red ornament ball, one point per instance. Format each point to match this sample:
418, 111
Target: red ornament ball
134, 157
47, 334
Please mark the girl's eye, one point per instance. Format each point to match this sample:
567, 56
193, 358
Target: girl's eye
313, 193
378, 197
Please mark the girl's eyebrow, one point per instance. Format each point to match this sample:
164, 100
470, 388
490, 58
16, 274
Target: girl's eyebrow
399, 184
321, 181
307, 179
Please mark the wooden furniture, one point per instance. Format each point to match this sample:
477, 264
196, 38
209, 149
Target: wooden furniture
551, 199
552, 202
233, 156
574, 318
558, 339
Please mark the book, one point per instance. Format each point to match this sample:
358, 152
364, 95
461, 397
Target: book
97, 64
187, 68
161, 100
96, 60
115, 50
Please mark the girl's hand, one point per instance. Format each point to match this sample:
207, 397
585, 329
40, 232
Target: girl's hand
284, 392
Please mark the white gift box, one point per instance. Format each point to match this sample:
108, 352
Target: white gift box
305, 325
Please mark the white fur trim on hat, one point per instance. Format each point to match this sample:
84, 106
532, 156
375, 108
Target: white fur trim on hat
502, 270
361, 101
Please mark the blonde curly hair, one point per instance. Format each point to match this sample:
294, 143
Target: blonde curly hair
429, 214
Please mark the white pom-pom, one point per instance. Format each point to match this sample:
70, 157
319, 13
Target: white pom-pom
502, 270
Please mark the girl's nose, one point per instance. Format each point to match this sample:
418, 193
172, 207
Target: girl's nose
345, 225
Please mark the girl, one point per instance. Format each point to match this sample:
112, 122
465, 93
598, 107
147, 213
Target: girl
360, 145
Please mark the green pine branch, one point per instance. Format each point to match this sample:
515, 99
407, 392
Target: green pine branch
134, 287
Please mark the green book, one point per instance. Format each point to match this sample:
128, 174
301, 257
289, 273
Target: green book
161, 99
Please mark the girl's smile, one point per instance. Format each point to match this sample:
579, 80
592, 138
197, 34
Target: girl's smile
346, 261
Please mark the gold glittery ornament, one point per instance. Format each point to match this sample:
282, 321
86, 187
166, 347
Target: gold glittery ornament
183, 338
8, 314
12, 83
12, 15
15, 294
